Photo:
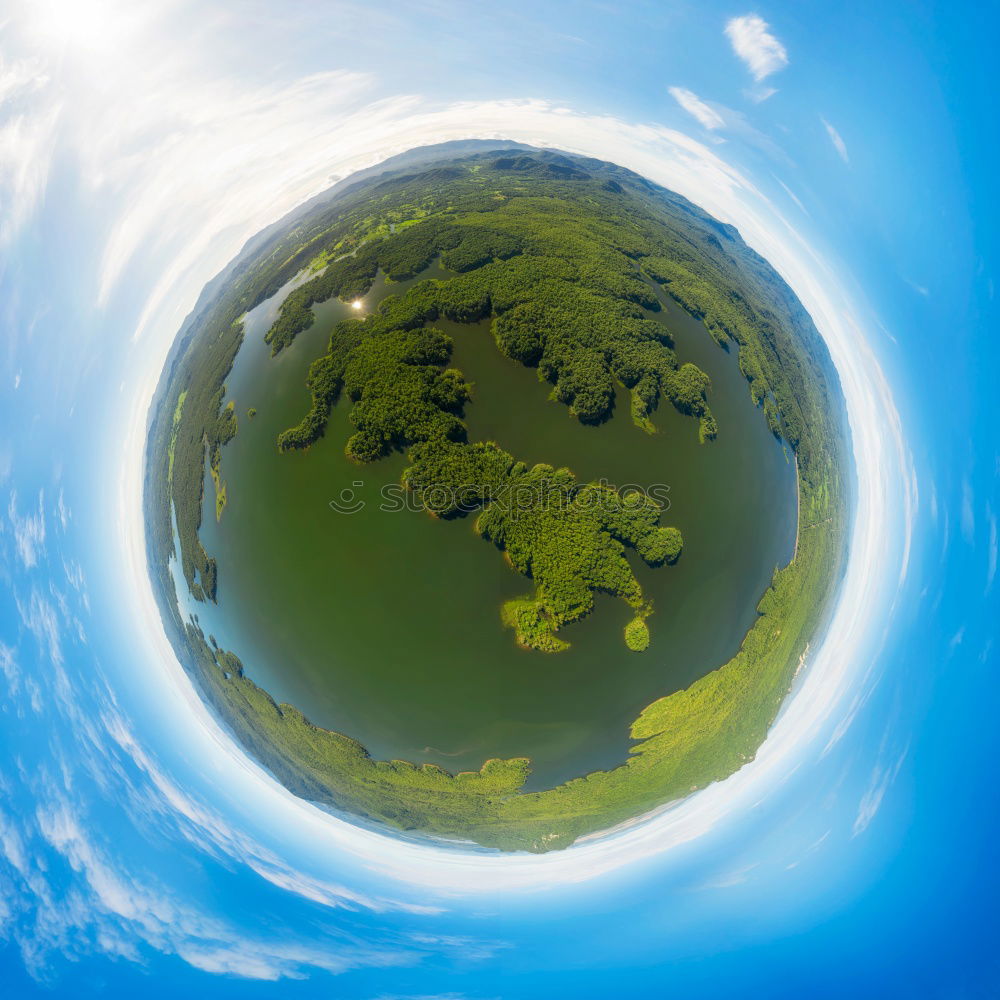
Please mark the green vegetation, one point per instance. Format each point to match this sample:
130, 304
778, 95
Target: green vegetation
564, 256
637, 634
401, 393
569, 539
173, 434
252, 412
227, 428
685, 741
532, 626
565, 293
220, 500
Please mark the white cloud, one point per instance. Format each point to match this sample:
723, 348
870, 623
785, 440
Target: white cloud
838, 143
27, 142
233, 132
205, 824
760, 94
29, 530
12, 845
10, 670
715, 117
113, 901
791, 194
753, 42
882, 777
41, 618
471, 949
697, 108
727, 879
62, 511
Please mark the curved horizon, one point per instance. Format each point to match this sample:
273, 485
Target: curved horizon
870, 529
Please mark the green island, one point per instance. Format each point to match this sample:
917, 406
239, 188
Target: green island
567, 261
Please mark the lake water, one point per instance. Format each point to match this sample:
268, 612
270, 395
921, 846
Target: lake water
386, 625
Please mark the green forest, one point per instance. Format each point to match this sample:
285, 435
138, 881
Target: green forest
564, 256
567, 537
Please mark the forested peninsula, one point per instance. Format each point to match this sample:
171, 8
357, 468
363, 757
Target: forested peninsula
564, 256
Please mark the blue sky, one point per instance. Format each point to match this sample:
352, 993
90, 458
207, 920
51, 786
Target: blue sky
854, 144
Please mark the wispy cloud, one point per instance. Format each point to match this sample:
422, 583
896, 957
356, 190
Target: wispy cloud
423, 996
226, 125
471, 949
717, 118
29, 530
202, 824
45, 621
126, 902
791, 194
726, 879
697, 108
62, 511
882, 777
27, 141
9, 668
968, 513
838, 143
39, 616
752, 41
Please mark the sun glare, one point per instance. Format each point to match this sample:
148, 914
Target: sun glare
80, 25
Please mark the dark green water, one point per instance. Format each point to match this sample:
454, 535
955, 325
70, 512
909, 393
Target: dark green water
386, 625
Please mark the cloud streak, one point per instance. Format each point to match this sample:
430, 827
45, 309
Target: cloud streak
124, 912
838, 143
27, 141
29, 530
881, 779
697, 108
